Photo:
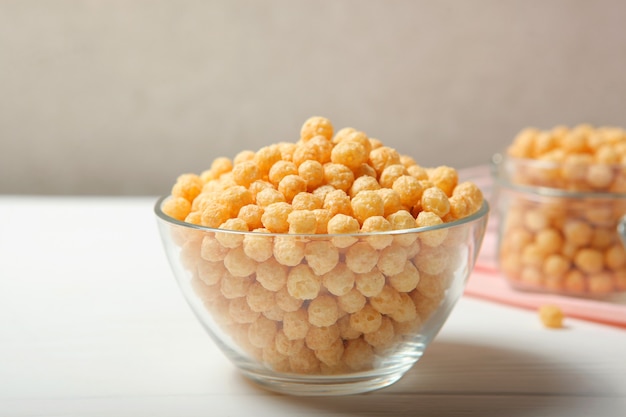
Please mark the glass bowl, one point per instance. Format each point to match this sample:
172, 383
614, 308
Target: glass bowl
561, 227
322, 314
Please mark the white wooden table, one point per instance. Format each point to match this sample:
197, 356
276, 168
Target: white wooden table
93, 324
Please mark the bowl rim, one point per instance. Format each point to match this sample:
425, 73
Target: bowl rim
498, 161
481, 213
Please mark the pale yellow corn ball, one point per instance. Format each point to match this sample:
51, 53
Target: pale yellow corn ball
286, 346
321, 256
406, 311
251, 214
221, 165
337, 202
409, 189
366, 204
304, 362
306, 201
259, 298
445, 178
232, 240
274, 313
266, 157
381, 157
391, 201
414, 248
365, 170
302, 282
349, 153
286, 150
383, 336
431, 238
551, 316
302, 222
352, 301
320, 338
240, 311
235, 287
243, 156
366, 320
424, 305
187, 186
360, 137
403, 220
331, 356
391, 173
342, 224
275, 216
214, 214
577, 232
555, 266
315, 126
342, 134
305, 152
549, 240
410, 327
615, 257
177, 208
296, 324
600, 176
472, 193
391, 260
575, 281
235, 197
339, 281
361, 258
523, 143
286, 302
406, 280
211, 250
257, 186
532, 255
190, 255
206, 293
371, 283
536, 220
268, 196
602, 237
262, 332
323, 191
313, 173
211, 273
323, 311
601, 283
346, 332
276, 360
608, 154
271, 274
338, 175
432, 286
363, 183
245, 173
436, 201
291, 185
238, 263
433, 261
358, 355
377, 224
387, 301
590, 261
322, 217
280, 170
417, 172
288, 250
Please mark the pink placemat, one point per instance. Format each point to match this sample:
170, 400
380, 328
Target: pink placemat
486, 281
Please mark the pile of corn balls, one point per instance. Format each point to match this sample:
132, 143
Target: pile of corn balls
305, 293
567, 243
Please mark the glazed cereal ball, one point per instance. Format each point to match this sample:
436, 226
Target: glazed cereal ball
286, 302
445, 178
302, 283
472, 194
406, 311
391, 201
251, 214
391, 173
322, 337
577, 232
211, 250
312, 172
245, 173
268, 196
365, 170
589, 261
176, 207
342, 134
280, 170
243, 156
338, 175
240, 311
382, 157
315, 126
349, 153
342, 224
363, 183
383, 337
352, 301
358, 355
259, 298
234, 287
387, 300
257, 186
214, 214
307, 201
366, 320
287, 346
331, 356
361, 258
436, 201
407, 280
359, 137
304, 362
211, 273
271, 274
367, 203
403, 220
322, 217
371, 283
275, 217
238, 263
409, 189
266, 157
302, 222
235, 197
321, 256
377, 224
296, 324
261, 332
187, 186
391, 260
339, 281
432, 261
258, 247
288, 250
291, 185
323, 311
431, 238
337, 202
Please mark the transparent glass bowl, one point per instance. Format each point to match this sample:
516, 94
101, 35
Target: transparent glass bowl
328, 338
558, 234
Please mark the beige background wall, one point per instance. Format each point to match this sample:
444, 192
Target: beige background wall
121, 96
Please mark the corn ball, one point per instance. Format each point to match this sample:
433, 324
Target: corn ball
367, 203
288, 251
319, 338
366, 320
321, 256
406, 280
371, 283
352, 301
241, 312
339, 281
302, 222
338, 175
286, 346
316, 126
296, 324
358, 354
387, 301
302, 282
275, 217
271, 274
323, 311
551, 316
